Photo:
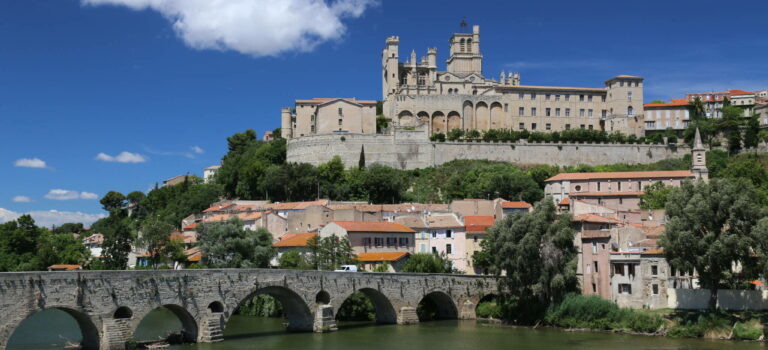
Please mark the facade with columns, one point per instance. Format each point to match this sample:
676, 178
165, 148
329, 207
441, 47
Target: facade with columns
416, 93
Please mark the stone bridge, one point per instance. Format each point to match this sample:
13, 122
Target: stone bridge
109, 305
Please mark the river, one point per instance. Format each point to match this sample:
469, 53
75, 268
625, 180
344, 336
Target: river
42, 330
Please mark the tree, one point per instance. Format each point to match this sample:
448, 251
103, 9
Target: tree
292, 260
63, 248
18, 245
657, 102
428, 263
75, 228
537, 253
329, 253
331, 179
751, 138
155, 234
174, 251
655, 196
710, 229
697, 109
229, 245
361, 161
117, 241
113, 200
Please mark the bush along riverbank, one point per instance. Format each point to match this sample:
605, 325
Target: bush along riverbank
592, 313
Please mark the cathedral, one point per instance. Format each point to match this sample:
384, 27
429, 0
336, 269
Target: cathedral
416, 94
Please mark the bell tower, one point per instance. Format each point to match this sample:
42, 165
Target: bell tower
465, 53
699, 155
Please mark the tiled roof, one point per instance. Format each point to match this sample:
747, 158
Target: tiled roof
218, 218
411, 221
381, 256
251, 215
622, 175
475, 224
443, 221
736, 92
319, 100
363, 226
515, 205
605, 194
190, 227
193, 254
218, 207
65, 267
295, 240
565, 201
297, 205
595, 219
213, 167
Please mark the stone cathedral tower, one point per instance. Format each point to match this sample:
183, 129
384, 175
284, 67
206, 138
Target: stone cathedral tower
699, 153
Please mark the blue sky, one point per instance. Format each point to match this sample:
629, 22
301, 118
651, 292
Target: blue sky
166, 81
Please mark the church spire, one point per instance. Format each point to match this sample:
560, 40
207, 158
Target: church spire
697, 145
699, 159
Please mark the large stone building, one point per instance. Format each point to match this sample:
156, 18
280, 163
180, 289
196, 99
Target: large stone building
416, 93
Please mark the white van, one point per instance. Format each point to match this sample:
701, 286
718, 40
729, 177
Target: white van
347, 268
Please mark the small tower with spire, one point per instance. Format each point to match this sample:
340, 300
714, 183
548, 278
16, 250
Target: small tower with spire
699, 153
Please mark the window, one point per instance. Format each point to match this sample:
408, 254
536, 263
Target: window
618, 269
533, 111
521, 95
589, 113
557, 97
367, 241
557, 112
589, 98
341, 112
654, 270
567, 97
591, 126
422, 79
567, 126
594, 288
448, 249
549, 126
546, 97
567, 112
448, 234
581, 98
533, 126
619, 185
378, 241
522, 126
605, 113
630, 111
549, 112
598, 186
625, 288
434, 250
595, 264
655, 289
474, 238
582, 126
533, 96
312, 129
506, 107
402, 241
594, 247
434, 234
521, 111
629, 95
602, 98
578, 187
581, 112
340, 121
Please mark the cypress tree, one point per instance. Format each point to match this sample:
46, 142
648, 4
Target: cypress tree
361, 162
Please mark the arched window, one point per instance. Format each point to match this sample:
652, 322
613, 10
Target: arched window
630, 111
450, 91
469, 45
461, 48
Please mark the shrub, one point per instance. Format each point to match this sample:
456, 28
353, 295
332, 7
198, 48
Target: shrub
593, 312
489, 309
750, 330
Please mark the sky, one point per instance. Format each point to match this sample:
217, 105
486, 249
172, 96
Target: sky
100, 95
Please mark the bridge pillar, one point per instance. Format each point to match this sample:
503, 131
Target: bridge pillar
116, 332
467, 311
407, 315
325, 320
211, 328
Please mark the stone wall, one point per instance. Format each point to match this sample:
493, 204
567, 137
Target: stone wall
405, 149
109, 305
727, 299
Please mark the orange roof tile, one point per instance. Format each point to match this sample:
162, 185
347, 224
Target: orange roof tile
381, 256
190, 227
251, 215
194, 254
65, 267
677, 102
740, 92
515, 205
295, 240
218, 218
594, 218
565, 201
364, 226
622, 175
475, 224
218, 207
297, 205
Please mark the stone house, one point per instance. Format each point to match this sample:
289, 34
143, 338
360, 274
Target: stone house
593, 241
366, 237
640, 279
447, 237
290, 242
475, 230
511, 207
660, 116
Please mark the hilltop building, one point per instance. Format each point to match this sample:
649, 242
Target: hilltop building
415, 93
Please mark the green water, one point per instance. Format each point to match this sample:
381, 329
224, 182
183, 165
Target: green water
41, 331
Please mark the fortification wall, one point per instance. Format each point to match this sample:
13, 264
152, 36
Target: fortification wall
412, 150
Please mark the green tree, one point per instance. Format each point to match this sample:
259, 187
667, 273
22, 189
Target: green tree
76, 228
116, 229
61, 248
329, 253
537, 253
428, 263
541, 173
155, 234
331, 179
655, 196
229, 245
18, 245
174, 251
657, 102
361, 161
292, 260
751, 138
710, 229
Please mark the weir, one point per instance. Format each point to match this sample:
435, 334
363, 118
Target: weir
109, 305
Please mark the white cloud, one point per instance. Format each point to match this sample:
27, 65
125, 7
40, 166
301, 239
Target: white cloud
31, 163
65, 195
22, 199
252, 27
124, 157
197, 150
47, 218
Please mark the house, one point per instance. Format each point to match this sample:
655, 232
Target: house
511, 207
210, 172
292, 241
421, 240
475, 230
374, 237
94, 243
593, 241
661, 116
447, 237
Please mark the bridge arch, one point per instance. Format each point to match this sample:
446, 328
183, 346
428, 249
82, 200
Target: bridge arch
123, 312
189, 327
90, 336
437, 305
385, 311
297, 312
